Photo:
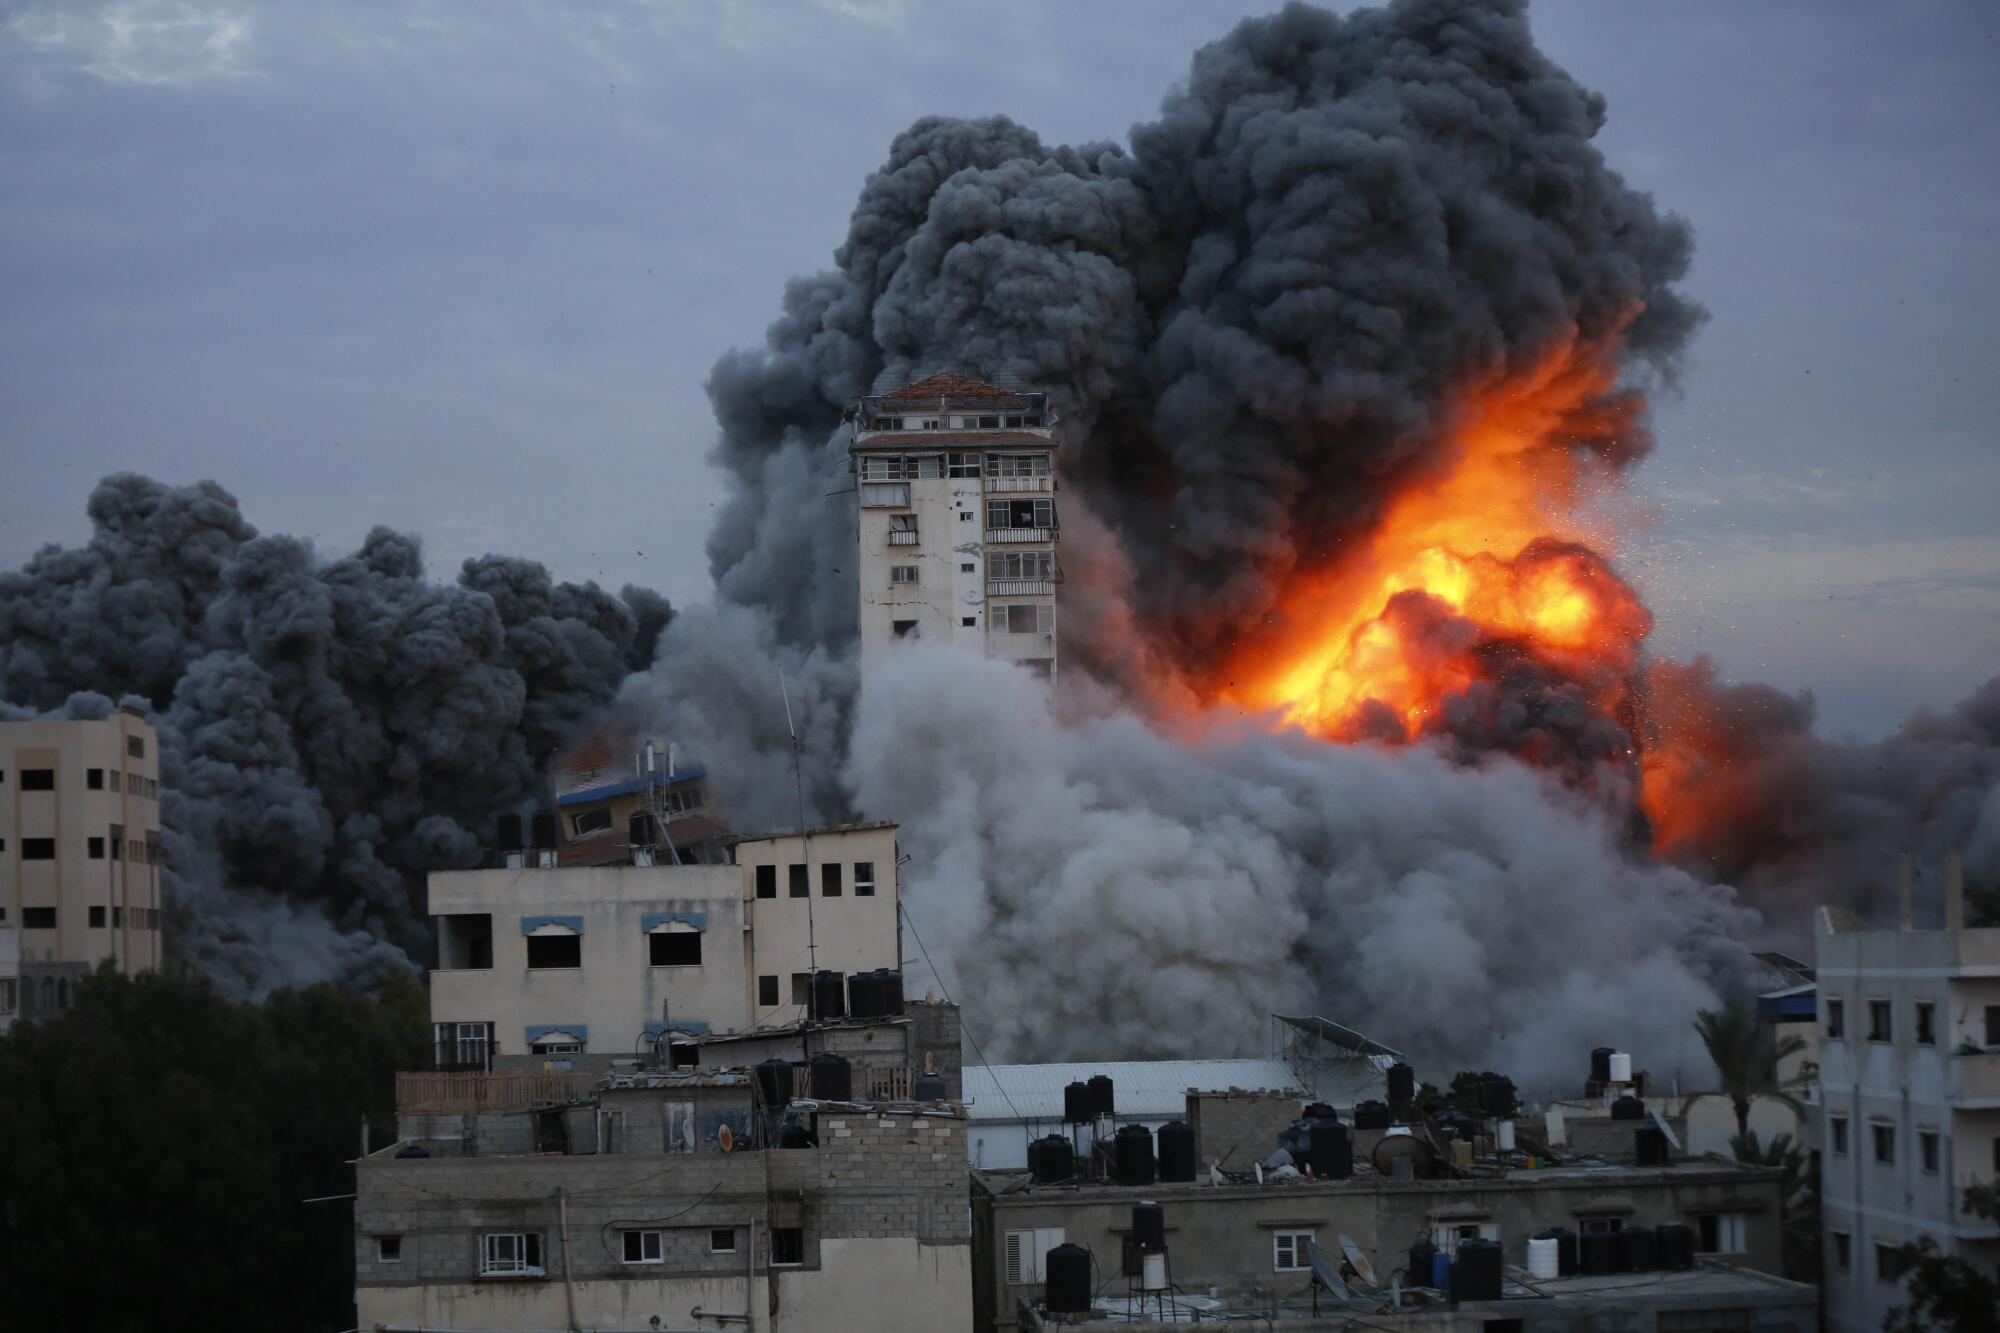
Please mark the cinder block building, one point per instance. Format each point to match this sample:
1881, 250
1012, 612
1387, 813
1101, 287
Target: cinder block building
79, 851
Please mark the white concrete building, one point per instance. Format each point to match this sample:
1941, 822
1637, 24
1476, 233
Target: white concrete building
959, 522
580, 965
1909, 1099
79, 851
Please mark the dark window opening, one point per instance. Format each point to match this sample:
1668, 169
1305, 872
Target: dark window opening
1885, 1142
676, 948
97, 917
642, 1247
135, 746
969, 622
1889, 1263
904, 629
93, 778
722, 1240
38, 918
767, 992
801, 882
1926, 1025
864, 879
767, 881
1927, 1144
465, 940
685, 1054
95, 848
788, 1245
1837, 1131
1591, 1226
555, 951
1836, 1020
829, 879
801, 988
38, 779
1993, 1025
38, 849
1843, 1253
389, 1249
1879, 1028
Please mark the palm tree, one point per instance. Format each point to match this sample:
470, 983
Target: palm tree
1747, 1052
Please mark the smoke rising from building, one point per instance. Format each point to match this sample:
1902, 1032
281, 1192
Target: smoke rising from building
329, 729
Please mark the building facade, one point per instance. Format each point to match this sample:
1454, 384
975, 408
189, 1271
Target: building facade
959, 526
79, 851
1909, 1100
585, 964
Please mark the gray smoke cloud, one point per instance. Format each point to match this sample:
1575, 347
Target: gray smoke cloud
330, 729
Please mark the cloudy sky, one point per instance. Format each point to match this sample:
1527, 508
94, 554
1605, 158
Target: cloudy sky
463, 269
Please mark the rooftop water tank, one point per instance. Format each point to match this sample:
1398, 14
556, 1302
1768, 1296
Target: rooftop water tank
1565, 1240
1496, 1095
1600, 1064
1332, 1151
1319, 1111
544, 826
1051, 1160
1066, 1280
1076, 1103
1673, 1246
1628, 1107
832, 1078
1475, 1271
1132, 1155
889, 992
507, 837
774, 1082
1637, 1250
1418, 1274
1649, 1145
828, 996
1101, 1100
1544, 1258
1371, 1115
1149, 1227
930, 1088
1402, 1084
1598, 1254
1620, 1066
1176, 1150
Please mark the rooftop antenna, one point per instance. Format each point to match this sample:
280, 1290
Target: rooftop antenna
644, 767
805, 845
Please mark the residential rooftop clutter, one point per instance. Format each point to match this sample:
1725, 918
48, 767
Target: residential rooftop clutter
1407, 1202
815, 1195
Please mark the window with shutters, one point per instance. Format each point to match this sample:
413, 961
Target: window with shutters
1291, 1251
1027, 1252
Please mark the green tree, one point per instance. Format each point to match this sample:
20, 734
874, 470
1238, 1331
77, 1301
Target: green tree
1946, 1292
1799, 1192
1746, 1052
157, 1142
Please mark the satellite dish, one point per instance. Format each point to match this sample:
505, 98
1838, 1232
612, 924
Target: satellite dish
1324, 1272
1363, 1270
726, 1137
1666, 1128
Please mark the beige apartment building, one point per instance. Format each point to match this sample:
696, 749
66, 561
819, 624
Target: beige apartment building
581, 966
79, 851
958, 524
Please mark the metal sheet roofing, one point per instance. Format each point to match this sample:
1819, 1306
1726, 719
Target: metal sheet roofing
1141, 1088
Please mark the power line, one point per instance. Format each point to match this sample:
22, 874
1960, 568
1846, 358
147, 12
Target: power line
909, 921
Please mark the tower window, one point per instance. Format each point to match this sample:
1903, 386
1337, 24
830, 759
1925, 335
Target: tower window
902, 573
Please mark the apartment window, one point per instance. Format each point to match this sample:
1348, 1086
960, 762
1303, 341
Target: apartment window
565, 950
767, 992
1879, 1025
38, 849
1722, 1233
510, 1254
462, 1045
97, 918
94, 847
902, 573
113, 780
829, 879
722, 1240
1026, 1251
904, 629
801, 988
1843, 1251
1836, 1020
1926, 1025
1021, 513
10, 997
800, 882
117, 916
1836, 1131
965, 516
135, 746
1018, 465
38, 918
1888, 1263
38, 779
903, 523
967, 567
1884, 1137
642, 1247
1597, 1226
864, 879
969, 622
767, 881
675, 948
888, 423
587, 822
1927, 1149
93, 779
1023, 618
388, 1249
1021, 565
1993, 1025
1291, 1251
788, 1247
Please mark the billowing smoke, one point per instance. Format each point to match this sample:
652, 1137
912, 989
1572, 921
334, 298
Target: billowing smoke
330, 729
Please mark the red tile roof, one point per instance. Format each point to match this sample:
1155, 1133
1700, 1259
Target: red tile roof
960, 387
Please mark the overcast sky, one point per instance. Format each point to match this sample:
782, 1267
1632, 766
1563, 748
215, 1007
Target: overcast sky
463, 269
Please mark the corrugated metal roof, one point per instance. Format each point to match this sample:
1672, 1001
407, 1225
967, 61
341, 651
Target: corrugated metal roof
1141, 1088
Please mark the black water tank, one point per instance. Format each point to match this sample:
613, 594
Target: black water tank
1101, 1101
1673, 1246
1402, 1084
1296, 1139
1066, 1278
1637, 1250
1149, 1227
889, 991
1051, 1160
1475, 1272
1649, 1145
1422, 1254
1320, 1111
1332, 1151
774, 1082
1628, 1107
828, 996
832, 1078
864, 996
795, 1135
1132, 1155
1565, 1240
1496, 1095
1598, 1254
545, 831
1176, 1148
1600, 1064
930, 1088
1371, 1115
413, 1150
507, 837
1076, 1103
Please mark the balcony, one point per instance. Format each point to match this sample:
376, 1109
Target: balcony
1020, 485
1020, 587
1005, 536
1973, 1081
902, 539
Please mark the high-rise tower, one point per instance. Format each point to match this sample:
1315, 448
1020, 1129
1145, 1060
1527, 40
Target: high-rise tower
959, 528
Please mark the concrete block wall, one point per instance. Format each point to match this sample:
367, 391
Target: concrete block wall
1235, 1129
